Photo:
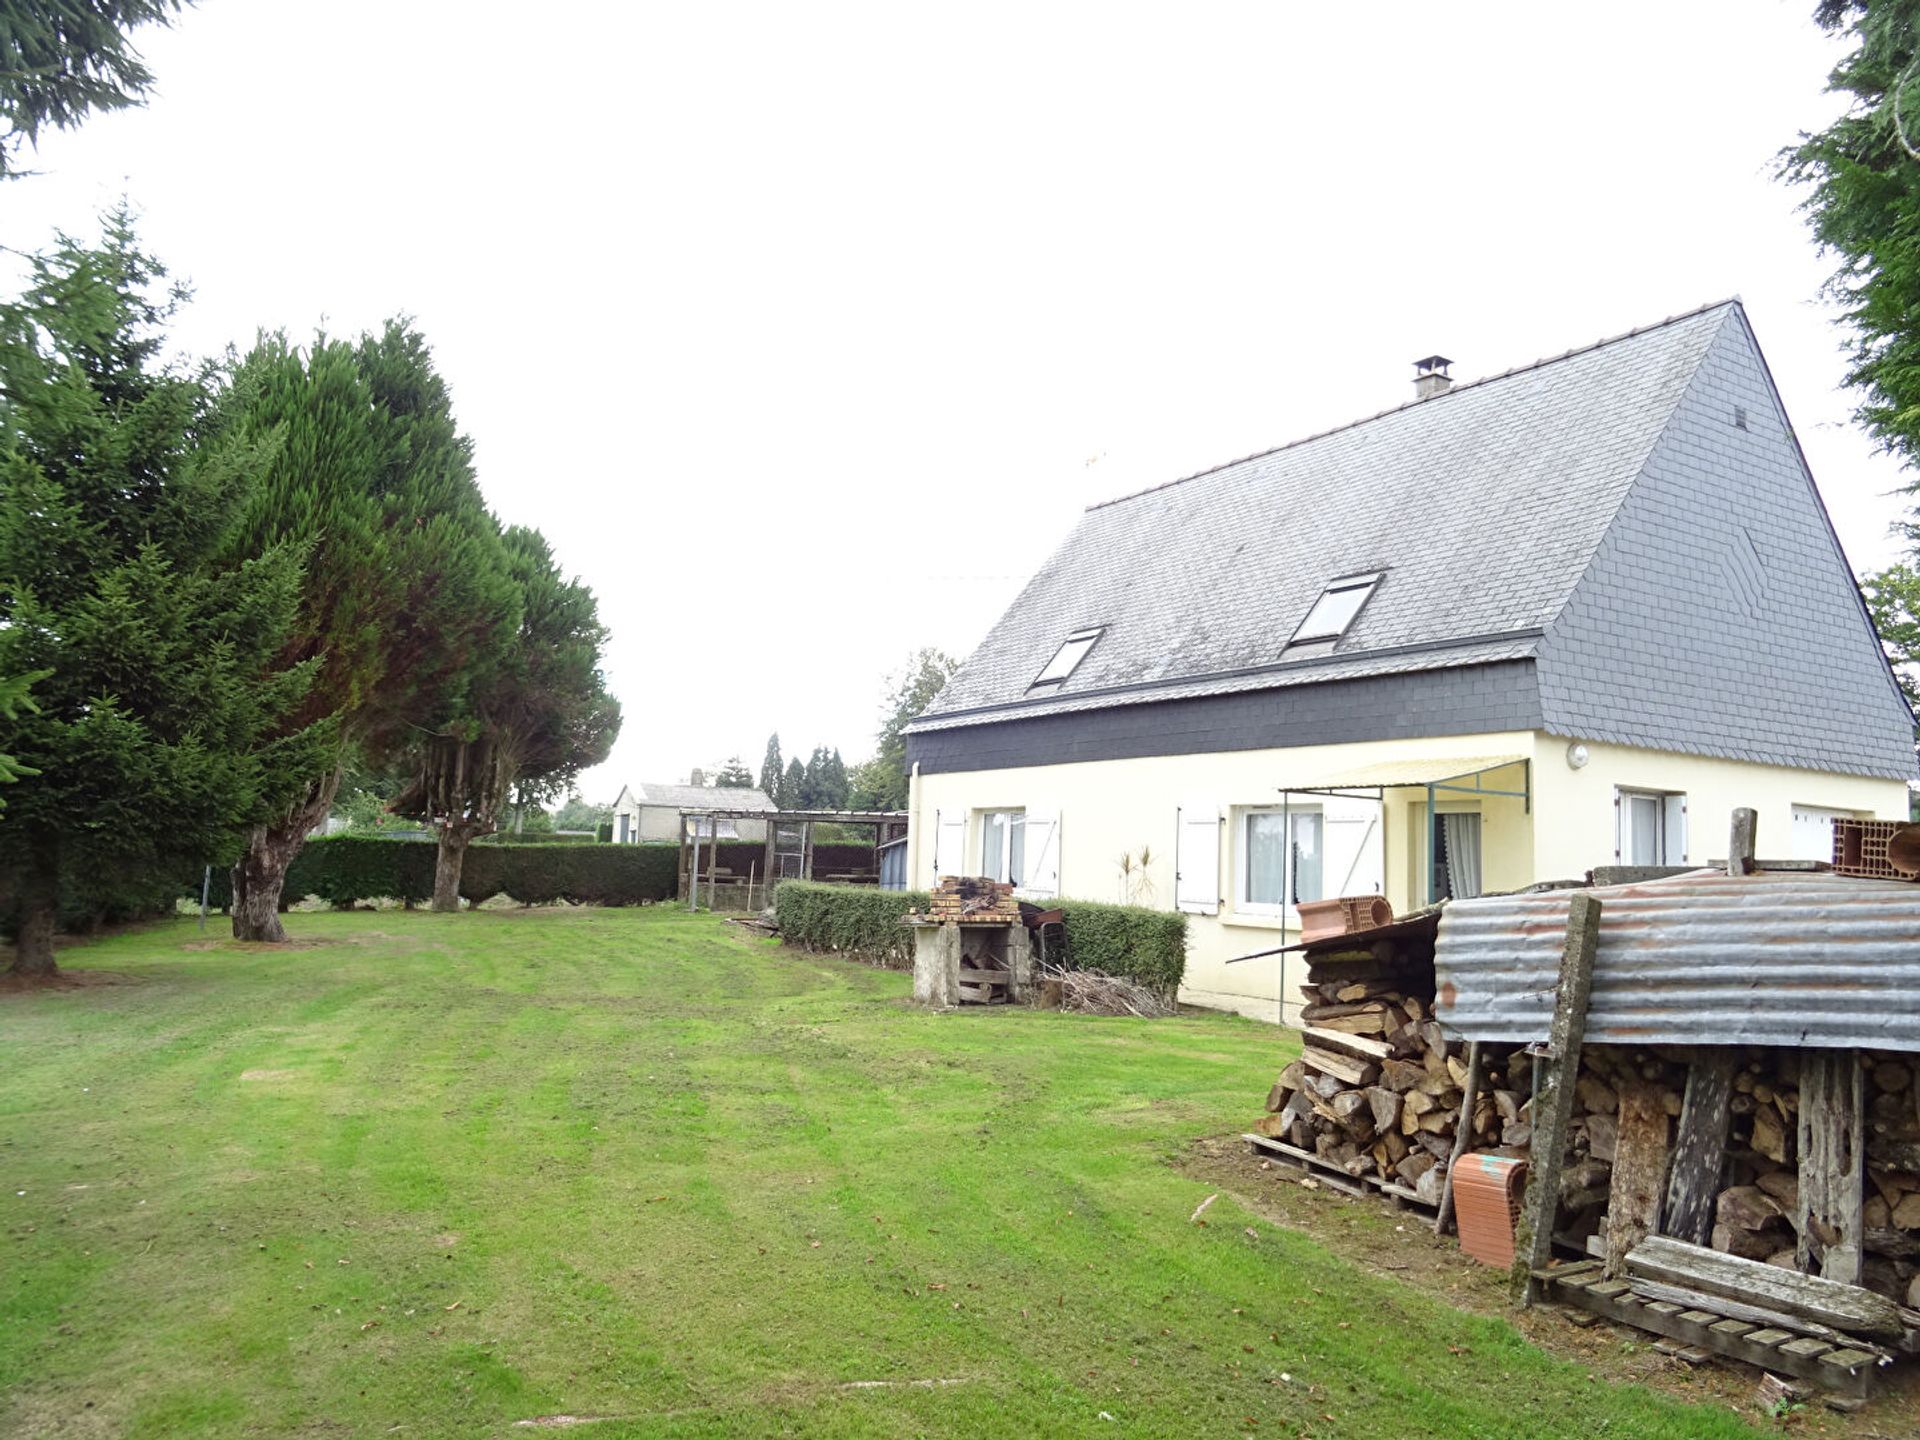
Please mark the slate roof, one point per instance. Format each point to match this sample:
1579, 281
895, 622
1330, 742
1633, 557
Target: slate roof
699, 797
1483, 504
1500, 515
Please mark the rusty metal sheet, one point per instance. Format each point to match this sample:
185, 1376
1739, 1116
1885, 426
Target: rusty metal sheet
1774, 958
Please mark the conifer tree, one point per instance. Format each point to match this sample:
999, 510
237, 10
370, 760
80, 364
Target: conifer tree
771, 769
536, 714
60, 60
165, 710
406, 593
793, 787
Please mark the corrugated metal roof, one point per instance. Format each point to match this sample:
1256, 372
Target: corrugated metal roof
1775, 958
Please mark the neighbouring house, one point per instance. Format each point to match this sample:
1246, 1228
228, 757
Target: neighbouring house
1568, 616
648, 811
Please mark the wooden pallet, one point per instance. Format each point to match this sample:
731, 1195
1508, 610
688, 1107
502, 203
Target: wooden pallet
1847, 1368
1331, 1175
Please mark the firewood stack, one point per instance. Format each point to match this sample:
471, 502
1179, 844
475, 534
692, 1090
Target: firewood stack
1755, 1215
1376, 1091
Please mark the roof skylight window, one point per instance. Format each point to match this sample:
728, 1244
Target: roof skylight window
1332, 614
1067, 658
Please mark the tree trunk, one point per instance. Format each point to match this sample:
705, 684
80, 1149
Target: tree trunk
447, 865
260, 874
39, 912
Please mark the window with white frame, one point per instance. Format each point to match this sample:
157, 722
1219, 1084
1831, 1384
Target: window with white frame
1003, 845
1282, 858
1652, 827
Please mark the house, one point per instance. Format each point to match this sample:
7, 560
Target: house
649, 811
1567, 616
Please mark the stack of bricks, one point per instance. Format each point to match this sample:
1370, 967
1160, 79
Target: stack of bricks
971, 900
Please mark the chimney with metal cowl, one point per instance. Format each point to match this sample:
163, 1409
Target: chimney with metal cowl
1430, 377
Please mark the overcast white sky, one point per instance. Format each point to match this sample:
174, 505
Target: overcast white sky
805, 331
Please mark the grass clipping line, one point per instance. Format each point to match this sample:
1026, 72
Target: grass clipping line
1088, 992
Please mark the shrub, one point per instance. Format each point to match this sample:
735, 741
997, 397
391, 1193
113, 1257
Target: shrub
347, 869
1148, 946
1131, 941
850, 919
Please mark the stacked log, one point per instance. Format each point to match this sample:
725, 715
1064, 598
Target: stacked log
1755, 1211
1377, 1089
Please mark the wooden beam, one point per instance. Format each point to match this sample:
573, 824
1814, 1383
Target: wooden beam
1639, 1170
1553, 1100
1832, 1133
1462, 1136
1700, 1151
1740, 843
1826, 1302
1360, 1046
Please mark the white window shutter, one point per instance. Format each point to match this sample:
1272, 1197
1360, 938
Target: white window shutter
949, 843
1676, 818
1197, 879
1356, 850
1042, 856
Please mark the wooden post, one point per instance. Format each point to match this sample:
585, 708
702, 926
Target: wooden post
1701, 1149
680, 876
1462, 1137
806, 849
1827, 1213
773, 835
1553, 1100
1740, 851
1639, 1171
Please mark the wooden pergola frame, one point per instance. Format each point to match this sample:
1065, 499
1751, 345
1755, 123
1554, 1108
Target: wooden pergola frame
882, 821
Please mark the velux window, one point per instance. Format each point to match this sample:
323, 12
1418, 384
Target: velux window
1332, 614
1067, 658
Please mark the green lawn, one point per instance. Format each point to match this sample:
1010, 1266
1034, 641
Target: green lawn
435, 1174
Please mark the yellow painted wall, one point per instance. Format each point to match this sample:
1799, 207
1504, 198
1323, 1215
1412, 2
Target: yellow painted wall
1580, 803
1111, 807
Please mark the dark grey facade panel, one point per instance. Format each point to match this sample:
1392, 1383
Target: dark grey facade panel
1470, 700
1718, 616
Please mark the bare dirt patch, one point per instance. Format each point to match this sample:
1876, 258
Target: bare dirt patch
1401, 1245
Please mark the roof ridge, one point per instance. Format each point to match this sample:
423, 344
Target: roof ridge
1602, 342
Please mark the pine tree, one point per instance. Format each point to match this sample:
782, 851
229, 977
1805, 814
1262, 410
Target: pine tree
165, 711
733, 775
60, 60
771, 769
833, 782
407, 593
536, 714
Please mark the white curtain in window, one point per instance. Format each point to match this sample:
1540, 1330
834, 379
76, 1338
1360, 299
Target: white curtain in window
1462, 836
1266, 858
1645, 831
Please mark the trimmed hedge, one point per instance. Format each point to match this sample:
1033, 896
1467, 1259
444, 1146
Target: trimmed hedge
856, 920
1148, 946
348, 869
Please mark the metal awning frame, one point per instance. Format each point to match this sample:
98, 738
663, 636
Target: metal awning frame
1449, 784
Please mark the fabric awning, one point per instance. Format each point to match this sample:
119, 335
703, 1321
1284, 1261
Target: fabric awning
1412, 774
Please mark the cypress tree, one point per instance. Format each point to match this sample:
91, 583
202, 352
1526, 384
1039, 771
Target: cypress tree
60, 60
406, 594
165, 709
771, 769
537, 713
793, 787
